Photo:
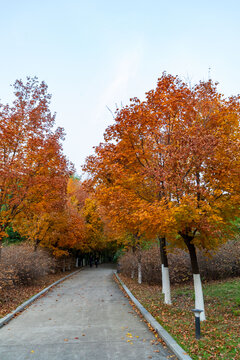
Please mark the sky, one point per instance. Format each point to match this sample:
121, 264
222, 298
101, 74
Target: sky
96, 55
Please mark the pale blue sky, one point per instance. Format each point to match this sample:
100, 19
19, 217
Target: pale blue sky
94, 54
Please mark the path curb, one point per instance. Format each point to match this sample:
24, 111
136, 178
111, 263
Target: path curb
170, 342
21, 307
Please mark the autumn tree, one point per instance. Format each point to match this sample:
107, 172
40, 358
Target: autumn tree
31, 155
134, 157
76, 198
205, 161
57, 223
178, 152
77, 227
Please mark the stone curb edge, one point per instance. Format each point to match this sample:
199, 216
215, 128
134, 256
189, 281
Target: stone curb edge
8, 317
170, 342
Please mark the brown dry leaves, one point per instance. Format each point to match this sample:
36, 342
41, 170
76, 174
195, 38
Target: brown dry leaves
12, 297
220, 332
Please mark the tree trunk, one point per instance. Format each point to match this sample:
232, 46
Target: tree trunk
1, 249
36, 245
199, 300
163, 260
163, 282
64, 265
133, 270
139, 272
166, 290
2, 234
132, 274
163, 252
139, 267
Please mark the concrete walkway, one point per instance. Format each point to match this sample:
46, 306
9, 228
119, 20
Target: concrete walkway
86, 317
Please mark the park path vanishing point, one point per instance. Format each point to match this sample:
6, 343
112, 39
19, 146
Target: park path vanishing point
87, 317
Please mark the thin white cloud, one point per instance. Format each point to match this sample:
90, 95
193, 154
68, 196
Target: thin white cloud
125, 71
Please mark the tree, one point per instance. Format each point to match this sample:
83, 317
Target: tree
178, 152
30, 152
57, 223
206, 163
134, 158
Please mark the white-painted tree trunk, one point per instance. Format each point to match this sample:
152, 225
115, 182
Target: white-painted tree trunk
167, 290
199, 301
77, 262
163, 284
139, 273
84, 262
132, 274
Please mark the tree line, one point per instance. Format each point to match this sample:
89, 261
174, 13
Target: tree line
40, 198
168, 169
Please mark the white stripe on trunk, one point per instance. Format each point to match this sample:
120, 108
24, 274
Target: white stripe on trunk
139, 273
163, 284
132, 274
199, 301
167, 291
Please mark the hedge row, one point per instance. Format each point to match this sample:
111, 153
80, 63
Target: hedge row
223, 264
20, 264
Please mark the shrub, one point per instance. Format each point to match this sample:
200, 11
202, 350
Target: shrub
21, 265
223, 264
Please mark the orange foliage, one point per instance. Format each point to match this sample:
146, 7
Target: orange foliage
33, 169
170, 165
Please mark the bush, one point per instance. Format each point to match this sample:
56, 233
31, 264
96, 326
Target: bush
21, 265
224, 264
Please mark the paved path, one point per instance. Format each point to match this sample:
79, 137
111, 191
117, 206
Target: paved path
85, 318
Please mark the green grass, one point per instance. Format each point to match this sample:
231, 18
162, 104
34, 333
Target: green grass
220, 333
